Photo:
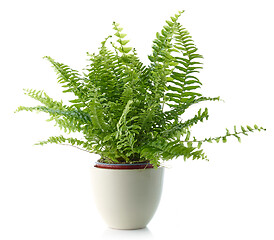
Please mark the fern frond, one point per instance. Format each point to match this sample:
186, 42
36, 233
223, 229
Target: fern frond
123, 49
177, 128
70, 79
69, 120
183, 76
122, 119
74, 142
179, 110
236, 133
97, 116
170, 150
42, 97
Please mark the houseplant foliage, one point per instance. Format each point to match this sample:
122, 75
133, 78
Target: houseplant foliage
128, 112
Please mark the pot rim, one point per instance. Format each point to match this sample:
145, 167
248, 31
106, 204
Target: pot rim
123, 165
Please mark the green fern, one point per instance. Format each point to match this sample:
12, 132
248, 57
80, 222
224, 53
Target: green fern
128, 112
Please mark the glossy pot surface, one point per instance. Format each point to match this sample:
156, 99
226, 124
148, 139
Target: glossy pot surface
127, 198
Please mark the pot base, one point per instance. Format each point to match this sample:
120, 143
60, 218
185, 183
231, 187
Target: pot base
135, 228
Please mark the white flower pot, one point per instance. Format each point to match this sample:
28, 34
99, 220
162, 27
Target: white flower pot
127, 198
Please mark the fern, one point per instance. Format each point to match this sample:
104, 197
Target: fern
82, 145
128, 112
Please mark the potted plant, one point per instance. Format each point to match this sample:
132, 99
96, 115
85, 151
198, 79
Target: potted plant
130, 115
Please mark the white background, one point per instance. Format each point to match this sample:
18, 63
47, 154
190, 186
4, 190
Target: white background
45, 191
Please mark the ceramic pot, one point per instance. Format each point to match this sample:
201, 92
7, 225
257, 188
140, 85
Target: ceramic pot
127, 198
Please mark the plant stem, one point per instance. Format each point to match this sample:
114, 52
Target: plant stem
64, 144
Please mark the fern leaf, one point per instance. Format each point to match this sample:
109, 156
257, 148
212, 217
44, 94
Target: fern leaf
69, 78
176, 128
97, 116
67, 141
